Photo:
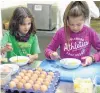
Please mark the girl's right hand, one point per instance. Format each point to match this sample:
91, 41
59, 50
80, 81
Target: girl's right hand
54, 56
7, 47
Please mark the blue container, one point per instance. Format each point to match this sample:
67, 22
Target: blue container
97, 84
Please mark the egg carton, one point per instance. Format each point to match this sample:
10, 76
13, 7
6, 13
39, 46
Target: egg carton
51, 88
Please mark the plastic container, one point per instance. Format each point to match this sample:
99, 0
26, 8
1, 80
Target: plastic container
97, 84
82, 84
5, 78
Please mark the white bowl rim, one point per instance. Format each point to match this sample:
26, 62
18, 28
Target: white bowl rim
68, 66
77, 60
20, 57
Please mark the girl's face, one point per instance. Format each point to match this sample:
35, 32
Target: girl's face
25, 27
76, 23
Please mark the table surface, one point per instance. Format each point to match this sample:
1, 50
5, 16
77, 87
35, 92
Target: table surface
63, 87
68, 74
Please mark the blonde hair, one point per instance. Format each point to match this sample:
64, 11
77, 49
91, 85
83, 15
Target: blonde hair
75, 9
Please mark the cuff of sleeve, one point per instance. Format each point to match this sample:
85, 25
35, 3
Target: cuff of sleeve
96, 57
50, 53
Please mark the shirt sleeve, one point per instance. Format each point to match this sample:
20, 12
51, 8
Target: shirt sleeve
53, 45
97, 57
95, 40
35, 46
5, 38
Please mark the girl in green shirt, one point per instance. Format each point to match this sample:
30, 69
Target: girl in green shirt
21, 38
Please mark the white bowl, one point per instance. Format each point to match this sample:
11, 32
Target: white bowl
70, 63
19, 60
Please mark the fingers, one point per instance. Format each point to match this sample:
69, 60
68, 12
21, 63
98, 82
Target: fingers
28, 55
54, 56
31, 58
8, 47
86, 61
85, 64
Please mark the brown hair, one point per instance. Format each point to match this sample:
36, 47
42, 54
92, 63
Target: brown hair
75, 9
19, 14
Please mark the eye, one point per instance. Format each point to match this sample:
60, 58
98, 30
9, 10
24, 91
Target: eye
29, 23
71, 24
78, 24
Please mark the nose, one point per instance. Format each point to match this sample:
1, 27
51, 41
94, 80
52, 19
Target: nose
75, 28
26, 27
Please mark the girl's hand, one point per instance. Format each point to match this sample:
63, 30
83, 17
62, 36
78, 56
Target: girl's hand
54, 56
7, 47
32, 57
88, 60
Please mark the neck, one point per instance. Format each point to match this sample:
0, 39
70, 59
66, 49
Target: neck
21, 34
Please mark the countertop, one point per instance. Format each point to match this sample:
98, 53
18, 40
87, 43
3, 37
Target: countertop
63, 87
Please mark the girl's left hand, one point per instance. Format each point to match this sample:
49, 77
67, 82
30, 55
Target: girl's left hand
31, 58
87, 60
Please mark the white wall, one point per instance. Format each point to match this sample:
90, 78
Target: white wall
9, 3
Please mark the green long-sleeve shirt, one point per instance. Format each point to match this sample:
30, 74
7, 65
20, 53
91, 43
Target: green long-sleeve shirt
21, 48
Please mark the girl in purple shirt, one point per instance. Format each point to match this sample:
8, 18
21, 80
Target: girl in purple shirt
75, 39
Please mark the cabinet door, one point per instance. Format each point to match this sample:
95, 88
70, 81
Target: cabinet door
41, 13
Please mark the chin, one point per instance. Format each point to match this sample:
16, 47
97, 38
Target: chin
75, 31
25, 33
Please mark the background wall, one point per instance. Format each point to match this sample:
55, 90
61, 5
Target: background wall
6, 13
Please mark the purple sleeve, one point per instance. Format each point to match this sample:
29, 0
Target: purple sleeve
97, 57
95, 40
53, 45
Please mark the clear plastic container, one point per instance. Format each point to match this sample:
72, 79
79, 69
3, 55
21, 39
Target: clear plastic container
97, 84
82, 84
5, 78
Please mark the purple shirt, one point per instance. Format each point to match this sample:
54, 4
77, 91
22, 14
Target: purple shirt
80, 43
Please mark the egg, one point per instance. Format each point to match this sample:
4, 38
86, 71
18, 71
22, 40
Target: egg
39, 69
30, 71
51, 73
40, 79
35, 75
19, 85
38, 82
16, 80
31, 82
23, 81
42, 76
43, 72
21, 74
43, 88
28, 74
47, 83
37, 72
18, 77
28, 86
26, 78
33, 78
49, 77
24, 71
36, 87
6, 69
12, 84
